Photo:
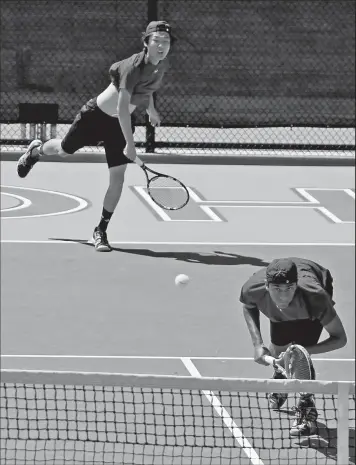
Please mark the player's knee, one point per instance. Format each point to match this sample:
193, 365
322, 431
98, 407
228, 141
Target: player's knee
57, 146
63, 153
117, 175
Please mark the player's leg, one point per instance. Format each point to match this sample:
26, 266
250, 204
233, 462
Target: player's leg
111, 199
280, 339
35, 151
114, 191
114, 144
81, 132
307, 333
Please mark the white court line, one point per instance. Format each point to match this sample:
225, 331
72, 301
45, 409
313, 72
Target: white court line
222, 412
303, 192
324, 188
262, 202
330, 215
350, 193
263, 244
156, 357
82, 203
25, 202
160, 212
208, 211
304, 205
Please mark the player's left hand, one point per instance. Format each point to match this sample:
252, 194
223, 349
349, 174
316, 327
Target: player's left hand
154, 118
281, 356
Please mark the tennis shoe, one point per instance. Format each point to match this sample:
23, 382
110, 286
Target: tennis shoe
28, 159
277, 400
305, 419
100, 239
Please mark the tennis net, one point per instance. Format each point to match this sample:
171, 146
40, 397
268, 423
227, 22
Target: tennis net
102, 418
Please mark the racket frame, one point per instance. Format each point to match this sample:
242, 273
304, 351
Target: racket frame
288, 356
161, 175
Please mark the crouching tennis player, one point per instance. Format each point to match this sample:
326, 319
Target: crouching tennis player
295, 294
108, 118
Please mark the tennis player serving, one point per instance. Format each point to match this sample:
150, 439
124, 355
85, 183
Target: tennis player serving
295, 294
108, 118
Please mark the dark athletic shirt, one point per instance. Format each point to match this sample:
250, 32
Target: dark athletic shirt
138, 78
312, 300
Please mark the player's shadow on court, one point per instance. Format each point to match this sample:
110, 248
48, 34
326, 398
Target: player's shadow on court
324, 441
214, 258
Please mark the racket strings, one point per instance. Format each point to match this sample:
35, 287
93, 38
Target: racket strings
168, 192
299, 366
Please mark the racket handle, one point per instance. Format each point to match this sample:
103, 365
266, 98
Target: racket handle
278, 368
269, 359
139, 162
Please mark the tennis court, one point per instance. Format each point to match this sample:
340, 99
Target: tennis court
67, 308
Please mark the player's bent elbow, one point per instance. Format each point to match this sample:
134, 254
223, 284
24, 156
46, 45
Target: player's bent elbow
342, 341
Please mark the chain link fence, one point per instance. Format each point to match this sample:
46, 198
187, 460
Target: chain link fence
245, 76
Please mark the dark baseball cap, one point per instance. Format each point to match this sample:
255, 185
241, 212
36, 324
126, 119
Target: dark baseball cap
158, 26
282, 271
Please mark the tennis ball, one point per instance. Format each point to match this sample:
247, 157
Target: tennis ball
182, 280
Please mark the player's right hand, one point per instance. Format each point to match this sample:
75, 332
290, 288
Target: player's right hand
131, 152
139, 162
263, 356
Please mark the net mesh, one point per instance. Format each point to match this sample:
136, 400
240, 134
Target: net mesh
71, 423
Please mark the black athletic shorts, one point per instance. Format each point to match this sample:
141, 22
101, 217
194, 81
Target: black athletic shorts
304, 332
92, 126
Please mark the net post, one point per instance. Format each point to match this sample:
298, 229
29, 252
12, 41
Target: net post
23, 130
150, 136
43, 132
53, 131
343, 424
32, 131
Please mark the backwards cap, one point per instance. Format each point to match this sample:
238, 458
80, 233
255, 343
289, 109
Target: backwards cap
157, 26
282, 271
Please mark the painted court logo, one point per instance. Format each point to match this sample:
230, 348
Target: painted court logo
28, 202
335, 205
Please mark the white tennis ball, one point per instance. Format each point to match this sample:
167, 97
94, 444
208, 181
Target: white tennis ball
182, 280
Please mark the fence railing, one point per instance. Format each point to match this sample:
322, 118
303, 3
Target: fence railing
258, 74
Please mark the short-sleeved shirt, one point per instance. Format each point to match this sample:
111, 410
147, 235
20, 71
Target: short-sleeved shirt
312, 299
140, 79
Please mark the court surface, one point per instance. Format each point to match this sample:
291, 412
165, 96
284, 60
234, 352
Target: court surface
65, 307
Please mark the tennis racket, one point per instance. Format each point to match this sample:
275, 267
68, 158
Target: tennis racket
297, 363
166, 191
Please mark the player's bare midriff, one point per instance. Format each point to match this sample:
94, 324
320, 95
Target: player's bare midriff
107, 101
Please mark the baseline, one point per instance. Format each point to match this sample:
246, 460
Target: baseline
155, 357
